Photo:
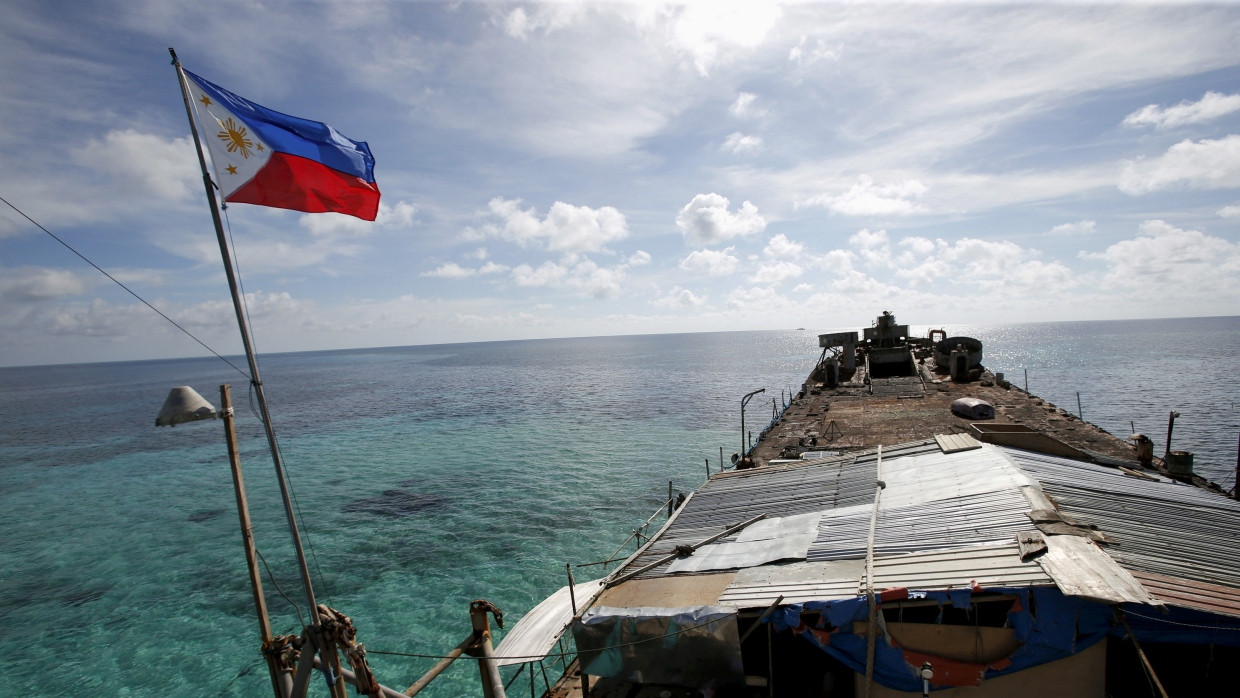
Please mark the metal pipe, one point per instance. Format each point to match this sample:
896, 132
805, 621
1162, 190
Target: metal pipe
745, 401
1170, 426
667, 558
481, 649
243, 327
351, 678
439, 668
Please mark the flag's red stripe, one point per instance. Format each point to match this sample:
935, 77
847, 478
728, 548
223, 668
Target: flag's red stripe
292, 182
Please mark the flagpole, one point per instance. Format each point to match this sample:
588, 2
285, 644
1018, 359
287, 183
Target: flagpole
255, 381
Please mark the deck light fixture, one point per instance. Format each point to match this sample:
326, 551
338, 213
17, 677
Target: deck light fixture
184, 404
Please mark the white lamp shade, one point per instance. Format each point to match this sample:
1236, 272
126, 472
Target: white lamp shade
184, 404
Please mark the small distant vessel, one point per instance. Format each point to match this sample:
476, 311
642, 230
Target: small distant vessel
876, 542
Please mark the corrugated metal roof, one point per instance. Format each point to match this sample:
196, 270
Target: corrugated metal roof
758, 587
1163, 530
1179, 592
950, 519
987, 565
1080, 568
1163, 527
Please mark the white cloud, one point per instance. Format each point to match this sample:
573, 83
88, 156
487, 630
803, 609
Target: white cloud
706, 220
741, 144
781, 247
569, 229
1205, 164
743, 107
450, 270
680, 298
868, 199
586, 277
776, 272
27, 285
398, 216
543, 17
711, 30
1211, 106
1229, 212
1168, 262
872, 245
639, 258
141, 163
1082, 227
711, 262
806, 51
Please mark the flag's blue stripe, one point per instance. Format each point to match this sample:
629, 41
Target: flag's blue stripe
313, 140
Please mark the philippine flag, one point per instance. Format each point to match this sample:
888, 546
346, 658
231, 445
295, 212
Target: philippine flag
267, 158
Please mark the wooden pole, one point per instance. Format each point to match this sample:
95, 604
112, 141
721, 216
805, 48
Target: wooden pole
247, 537
1149, 668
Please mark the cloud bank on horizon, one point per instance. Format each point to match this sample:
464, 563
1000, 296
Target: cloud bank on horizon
588, 168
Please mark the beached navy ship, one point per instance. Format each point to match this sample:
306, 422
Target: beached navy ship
912, 524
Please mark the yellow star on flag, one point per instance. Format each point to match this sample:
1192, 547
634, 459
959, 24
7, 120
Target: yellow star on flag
206, 101
232, 169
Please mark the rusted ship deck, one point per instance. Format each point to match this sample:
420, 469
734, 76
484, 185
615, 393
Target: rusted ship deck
851, 416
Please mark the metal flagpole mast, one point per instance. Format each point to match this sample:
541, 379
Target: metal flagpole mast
245, 339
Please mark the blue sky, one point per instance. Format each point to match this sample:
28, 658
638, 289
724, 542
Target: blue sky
578, 169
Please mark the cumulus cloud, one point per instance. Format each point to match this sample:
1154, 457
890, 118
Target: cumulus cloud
1211, 106
1082, 227
707, 30
711, 262
1229, 212
872, 245
807, 51
1163, 259
741, 144
1205, 164
398, 216
781, 247
706, 220
744, 107
569, 229
543, 17
679, 298
32, 285
865, 198
775, 272
585, 277
450, 270
639, 258
143, 163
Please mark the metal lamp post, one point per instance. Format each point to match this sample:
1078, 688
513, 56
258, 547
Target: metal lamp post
745, 401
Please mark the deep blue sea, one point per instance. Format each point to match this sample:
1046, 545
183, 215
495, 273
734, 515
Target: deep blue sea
430, 476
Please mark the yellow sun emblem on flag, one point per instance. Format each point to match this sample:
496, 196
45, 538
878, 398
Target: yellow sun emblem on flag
235, 136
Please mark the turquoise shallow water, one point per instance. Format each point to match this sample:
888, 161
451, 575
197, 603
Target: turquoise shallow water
427, 477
